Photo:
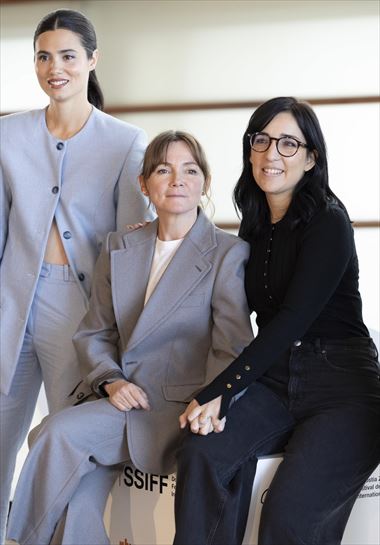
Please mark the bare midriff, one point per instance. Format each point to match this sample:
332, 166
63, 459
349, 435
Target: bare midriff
55, 252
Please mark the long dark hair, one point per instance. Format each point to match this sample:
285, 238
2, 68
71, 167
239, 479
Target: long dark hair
78, 23
311, 193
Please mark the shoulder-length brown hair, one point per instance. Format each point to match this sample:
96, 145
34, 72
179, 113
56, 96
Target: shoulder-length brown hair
156, 153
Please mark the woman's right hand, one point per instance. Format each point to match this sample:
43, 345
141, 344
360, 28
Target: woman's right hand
125, 395
203, 419
134, 226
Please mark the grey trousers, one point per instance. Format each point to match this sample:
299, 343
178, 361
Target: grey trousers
47, 354
52, 503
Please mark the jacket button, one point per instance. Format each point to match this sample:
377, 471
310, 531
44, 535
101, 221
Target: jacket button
297, 343
81, 277
67, 235
60, 146
55, 189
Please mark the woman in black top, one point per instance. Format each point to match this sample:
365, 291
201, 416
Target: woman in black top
311, 375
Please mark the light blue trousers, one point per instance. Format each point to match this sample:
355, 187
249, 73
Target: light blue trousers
64, 484
47, 355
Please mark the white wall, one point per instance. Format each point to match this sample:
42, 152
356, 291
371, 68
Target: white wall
200, 50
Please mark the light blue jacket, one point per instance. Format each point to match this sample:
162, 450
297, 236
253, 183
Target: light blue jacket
89, 183
194, 324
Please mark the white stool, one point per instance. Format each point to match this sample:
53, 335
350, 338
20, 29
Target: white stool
140, 510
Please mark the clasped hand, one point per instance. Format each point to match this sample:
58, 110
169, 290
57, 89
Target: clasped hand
125, 395
203, 419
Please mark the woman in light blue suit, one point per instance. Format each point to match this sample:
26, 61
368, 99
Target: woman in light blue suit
68, 176
168, 312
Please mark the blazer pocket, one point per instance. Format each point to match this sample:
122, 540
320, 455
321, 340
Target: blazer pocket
182, 392
194, 300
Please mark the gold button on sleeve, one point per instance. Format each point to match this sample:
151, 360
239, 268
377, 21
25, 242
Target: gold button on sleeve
229, 385
238, 377
247, 367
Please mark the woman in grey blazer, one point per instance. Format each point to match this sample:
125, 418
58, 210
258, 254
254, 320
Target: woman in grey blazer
68, 177
168, 312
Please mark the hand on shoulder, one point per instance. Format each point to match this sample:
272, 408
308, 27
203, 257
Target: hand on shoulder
134, 226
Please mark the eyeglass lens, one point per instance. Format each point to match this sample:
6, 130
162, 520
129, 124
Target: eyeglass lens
286, 145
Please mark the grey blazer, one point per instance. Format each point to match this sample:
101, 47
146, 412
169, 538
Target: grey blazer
195, 322
89, 183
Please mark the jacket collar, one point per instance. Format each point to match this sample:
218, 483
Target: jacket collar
202, 234
188, 267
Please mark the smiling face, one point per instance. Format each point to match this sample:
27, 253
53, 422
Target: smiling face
175, 186
276, 175
62, 65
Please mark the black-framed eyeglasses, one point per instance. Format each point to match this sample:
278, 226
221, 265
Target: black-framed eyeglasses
287, 146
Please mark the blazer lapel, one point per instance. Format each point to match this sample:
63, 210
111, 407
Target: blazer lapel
130, 269
188, 267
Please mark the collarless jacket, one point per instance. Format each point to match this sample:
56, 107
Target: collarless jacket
88, 183
194, 324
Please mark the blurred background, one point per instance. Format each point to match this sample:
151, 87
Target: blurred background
203, 66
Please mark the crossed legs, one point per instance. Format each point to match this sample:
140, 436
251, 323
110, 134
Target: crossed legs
70, 447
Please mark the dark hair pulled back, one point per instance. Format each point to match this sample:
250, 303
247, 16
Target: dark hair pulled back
80, 25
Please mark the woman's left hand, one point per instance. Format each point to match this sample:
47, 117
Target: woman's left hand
203, 419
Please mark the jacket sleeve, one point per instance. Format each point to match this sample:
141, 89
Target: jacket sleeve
325, 251
131, 205
97, 338
231, 330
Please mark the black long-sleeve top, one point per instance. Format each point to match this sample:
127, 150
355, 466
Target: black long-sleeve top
303, 284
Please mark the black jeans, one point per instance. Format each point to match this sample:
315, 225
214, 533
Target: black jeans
326, 421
